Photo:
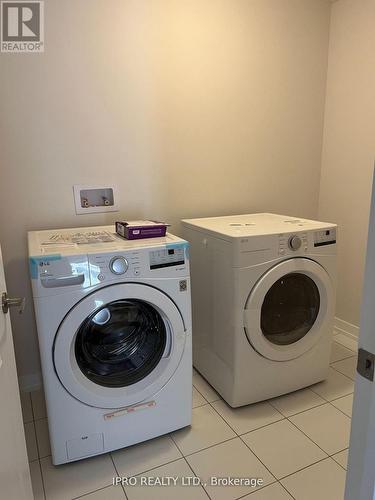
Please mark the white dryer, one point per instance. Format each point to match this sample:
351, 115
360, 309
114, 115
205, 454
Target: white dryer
114, 328
263, 294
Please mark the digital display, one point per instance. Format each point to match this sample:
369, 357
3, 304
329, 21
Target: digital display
167, 257
326, 237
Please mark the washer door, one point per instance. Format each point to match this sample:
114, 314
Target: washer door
286, 310
119, 345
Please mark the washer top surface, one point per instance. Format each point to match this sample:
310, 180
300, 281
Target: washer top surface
243, 226
86, 240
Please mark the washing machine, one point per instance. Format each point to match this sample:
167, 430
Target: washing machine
114, 329
263, 295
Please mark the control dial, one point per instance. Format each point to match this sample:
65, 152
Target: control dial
295, 242
118, 265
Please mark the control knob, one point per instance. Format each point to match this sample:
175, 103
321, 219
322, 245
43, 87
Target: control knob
118, 265
295, 242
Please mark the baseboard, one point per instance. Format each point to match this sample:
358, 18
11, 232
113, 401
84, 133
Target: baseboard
345, 328
30, 383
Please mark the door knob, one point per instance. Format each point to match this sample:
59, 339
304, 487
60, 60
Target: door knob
6, 303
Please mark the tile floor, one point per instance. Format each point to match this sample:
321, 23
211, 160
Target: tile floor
297, 444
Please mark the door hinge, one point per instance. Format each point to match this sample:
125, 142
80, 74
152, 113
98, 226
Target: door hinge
7, 302
365, 364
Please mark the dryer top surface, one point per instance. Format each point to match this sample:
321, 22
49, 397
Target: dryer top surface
244, 226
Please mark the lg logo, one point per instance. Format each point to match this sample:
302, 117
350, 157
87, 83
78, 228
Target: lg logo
22, 26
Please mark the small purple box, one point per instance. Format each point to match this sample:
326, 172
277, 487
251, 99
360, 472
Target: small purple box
138, 229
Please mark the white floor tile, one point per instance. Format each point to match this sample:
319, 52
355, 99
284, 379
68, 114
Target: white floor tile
27, 411
297, 401
347, 366
342, 458
42, 436
247, 418
326, 426
204, 387
344, 404
178, 468
73, 480
109, 493
198, 399
30, 436
324, 480
347, 342
145, 456
339, 352
38, 404
335, 386
36, 480
273, 492
282, 448
207, 429
230, 459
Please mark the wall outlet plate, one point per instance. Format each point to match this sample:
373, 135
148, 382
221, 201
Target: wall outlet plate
94, 199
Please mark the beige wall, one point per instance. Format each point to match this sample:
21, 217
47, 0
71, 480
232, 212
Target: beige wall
192, 108
349, 143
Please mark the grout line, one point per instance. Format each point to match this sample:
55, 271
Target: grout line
41, 474
285, 488
37, 442
338, 371
94, 491
257, 428
338, 463
301, 411
208, 447
256, 490
335, 399
153, 468
239, 436
285, 418
304, 468
199, 392
118, 474
196, 475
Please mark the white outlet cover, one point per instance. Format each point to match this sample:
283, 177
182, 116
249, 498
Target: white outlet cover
77, 188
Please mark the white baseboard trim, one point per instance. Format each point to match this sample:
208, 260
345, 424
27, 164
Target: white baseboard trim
348, 329
30, 383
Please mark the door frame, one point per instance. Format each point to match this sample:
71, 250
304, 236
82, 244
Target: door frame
360, 473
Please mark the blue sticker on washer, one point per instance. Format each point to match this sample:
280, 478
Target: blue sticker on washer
35, 262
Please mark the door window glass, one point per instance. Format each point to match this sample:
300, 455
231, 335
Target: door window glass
290, 309
121, 343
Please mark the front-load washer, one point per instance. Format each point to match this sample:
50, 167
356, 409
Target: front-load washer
263, 296
114, 329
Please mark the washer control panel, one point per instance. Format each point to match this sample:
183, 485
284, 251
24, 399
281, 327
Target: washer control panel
290, 243
167, 257
106, 267
118, 265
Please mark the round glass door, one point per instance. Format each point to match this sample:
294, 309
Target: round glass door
121, 343
290, 309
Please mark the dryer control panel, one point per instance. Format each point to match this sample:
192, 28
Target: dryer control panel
292, 243
325, 237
